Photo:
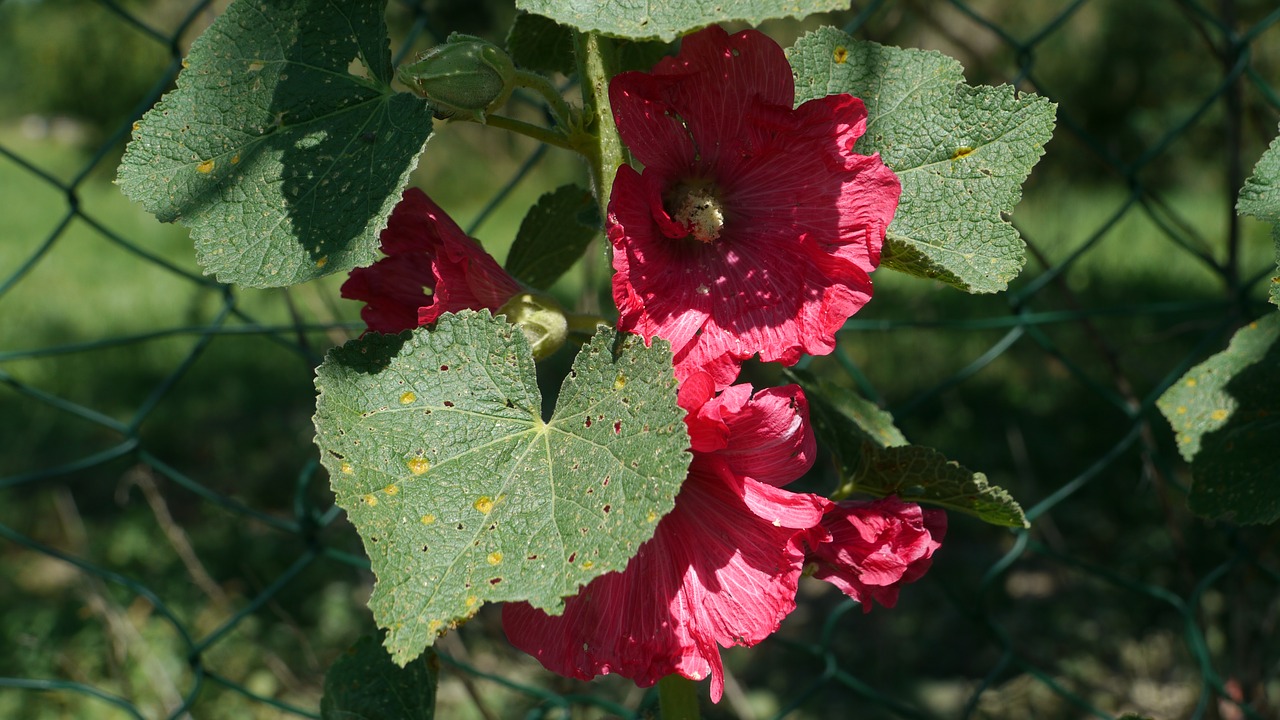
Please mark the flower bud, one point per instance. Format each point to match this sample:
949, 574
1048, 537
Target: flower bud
541, 319
464, 78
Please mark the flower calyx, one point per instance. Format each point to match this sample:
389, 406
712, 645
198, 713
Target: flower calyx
541, 319
462, 79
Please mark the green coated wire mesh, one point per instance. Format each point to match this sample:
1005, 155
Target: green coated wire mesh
170, 548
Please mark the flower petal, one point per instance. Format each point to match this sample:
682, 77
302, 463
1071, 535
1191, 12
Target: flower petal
721, 569
876, 547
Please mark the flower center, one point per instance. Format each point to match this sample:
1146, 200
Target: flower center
697, 207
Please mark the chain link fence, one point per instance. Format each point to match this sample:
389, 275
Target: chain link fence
170, 547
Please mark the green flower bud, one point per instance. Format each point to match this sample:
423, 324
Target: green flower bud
464, 78
541, 319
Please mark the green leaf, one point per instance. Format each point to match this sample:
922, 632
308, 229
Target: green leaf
873, 457
1260, 197
364, 684
553, 236
669, 20
539, 43
284, 164
437, 450
1226, 416
961, 152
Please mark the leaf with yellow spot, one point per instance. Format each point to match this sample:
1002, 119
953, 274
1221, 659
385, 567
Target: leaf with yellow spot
961, 153
278, 187
1225, 413
503, 486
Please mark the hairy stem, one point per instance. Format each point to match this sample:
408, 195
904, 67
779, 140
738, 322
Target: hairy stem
597, 62
677, 698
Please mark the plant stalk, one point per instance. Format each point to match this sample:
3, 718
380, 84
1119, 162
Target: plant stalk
597, 62
678, 698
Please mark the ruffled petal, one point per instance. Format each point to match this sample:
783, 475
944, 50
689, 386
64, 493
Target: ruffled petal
720, 570
876, 547
431, 267
804, 217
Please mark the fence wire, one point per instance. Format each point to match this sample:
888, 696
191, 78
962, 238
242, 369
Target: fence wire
171, 548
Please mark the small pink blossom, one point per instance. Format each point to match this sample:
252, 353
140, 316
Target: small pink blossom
431, 267
753, 226
876, 547
722, 567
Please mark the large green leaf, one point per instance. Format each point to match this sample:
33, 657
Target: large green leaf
553, 236
283, 147
873, 457
1260, 197
1226, 415
961, 152
668, 19
364, 684
463, 495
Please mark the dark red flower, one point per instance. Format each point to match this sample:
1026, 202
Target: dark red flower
431, 267
721, 568
877, 546
753, 226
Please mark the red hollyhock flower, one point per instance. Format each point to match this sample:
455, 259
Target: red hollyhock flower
431, 267
721, 568
753, 227
877, 546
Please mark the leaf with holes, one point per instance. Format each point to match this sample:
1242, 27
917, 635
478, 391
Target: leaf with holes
961, 152
1260, 197
1226, 416
553, 236
283, 147
873, 457
669, 20
463, 495
363, 684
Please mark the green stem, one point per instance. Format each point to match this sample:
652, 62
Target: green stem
677, 698
541, 134
559, 108
597, 61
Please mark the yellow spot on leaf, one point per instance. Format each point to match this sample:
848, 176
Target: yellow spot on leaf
962, 152
347, 469
620, 382
391, 489
136, 124
484, 504
235, 158
256, 65
652, 516
1191, 382
1182, 410
407, 398
185, 64
205, 167
472, 600
428, 519
324, 260
419, 465
587, 564
841, 55
1219, 414
370, 500
494, 557
434, 626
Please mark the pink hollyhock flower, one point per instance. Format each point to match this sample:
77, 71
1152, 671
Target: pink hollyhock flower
721, 568
753, 226
431, 267
876, 547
